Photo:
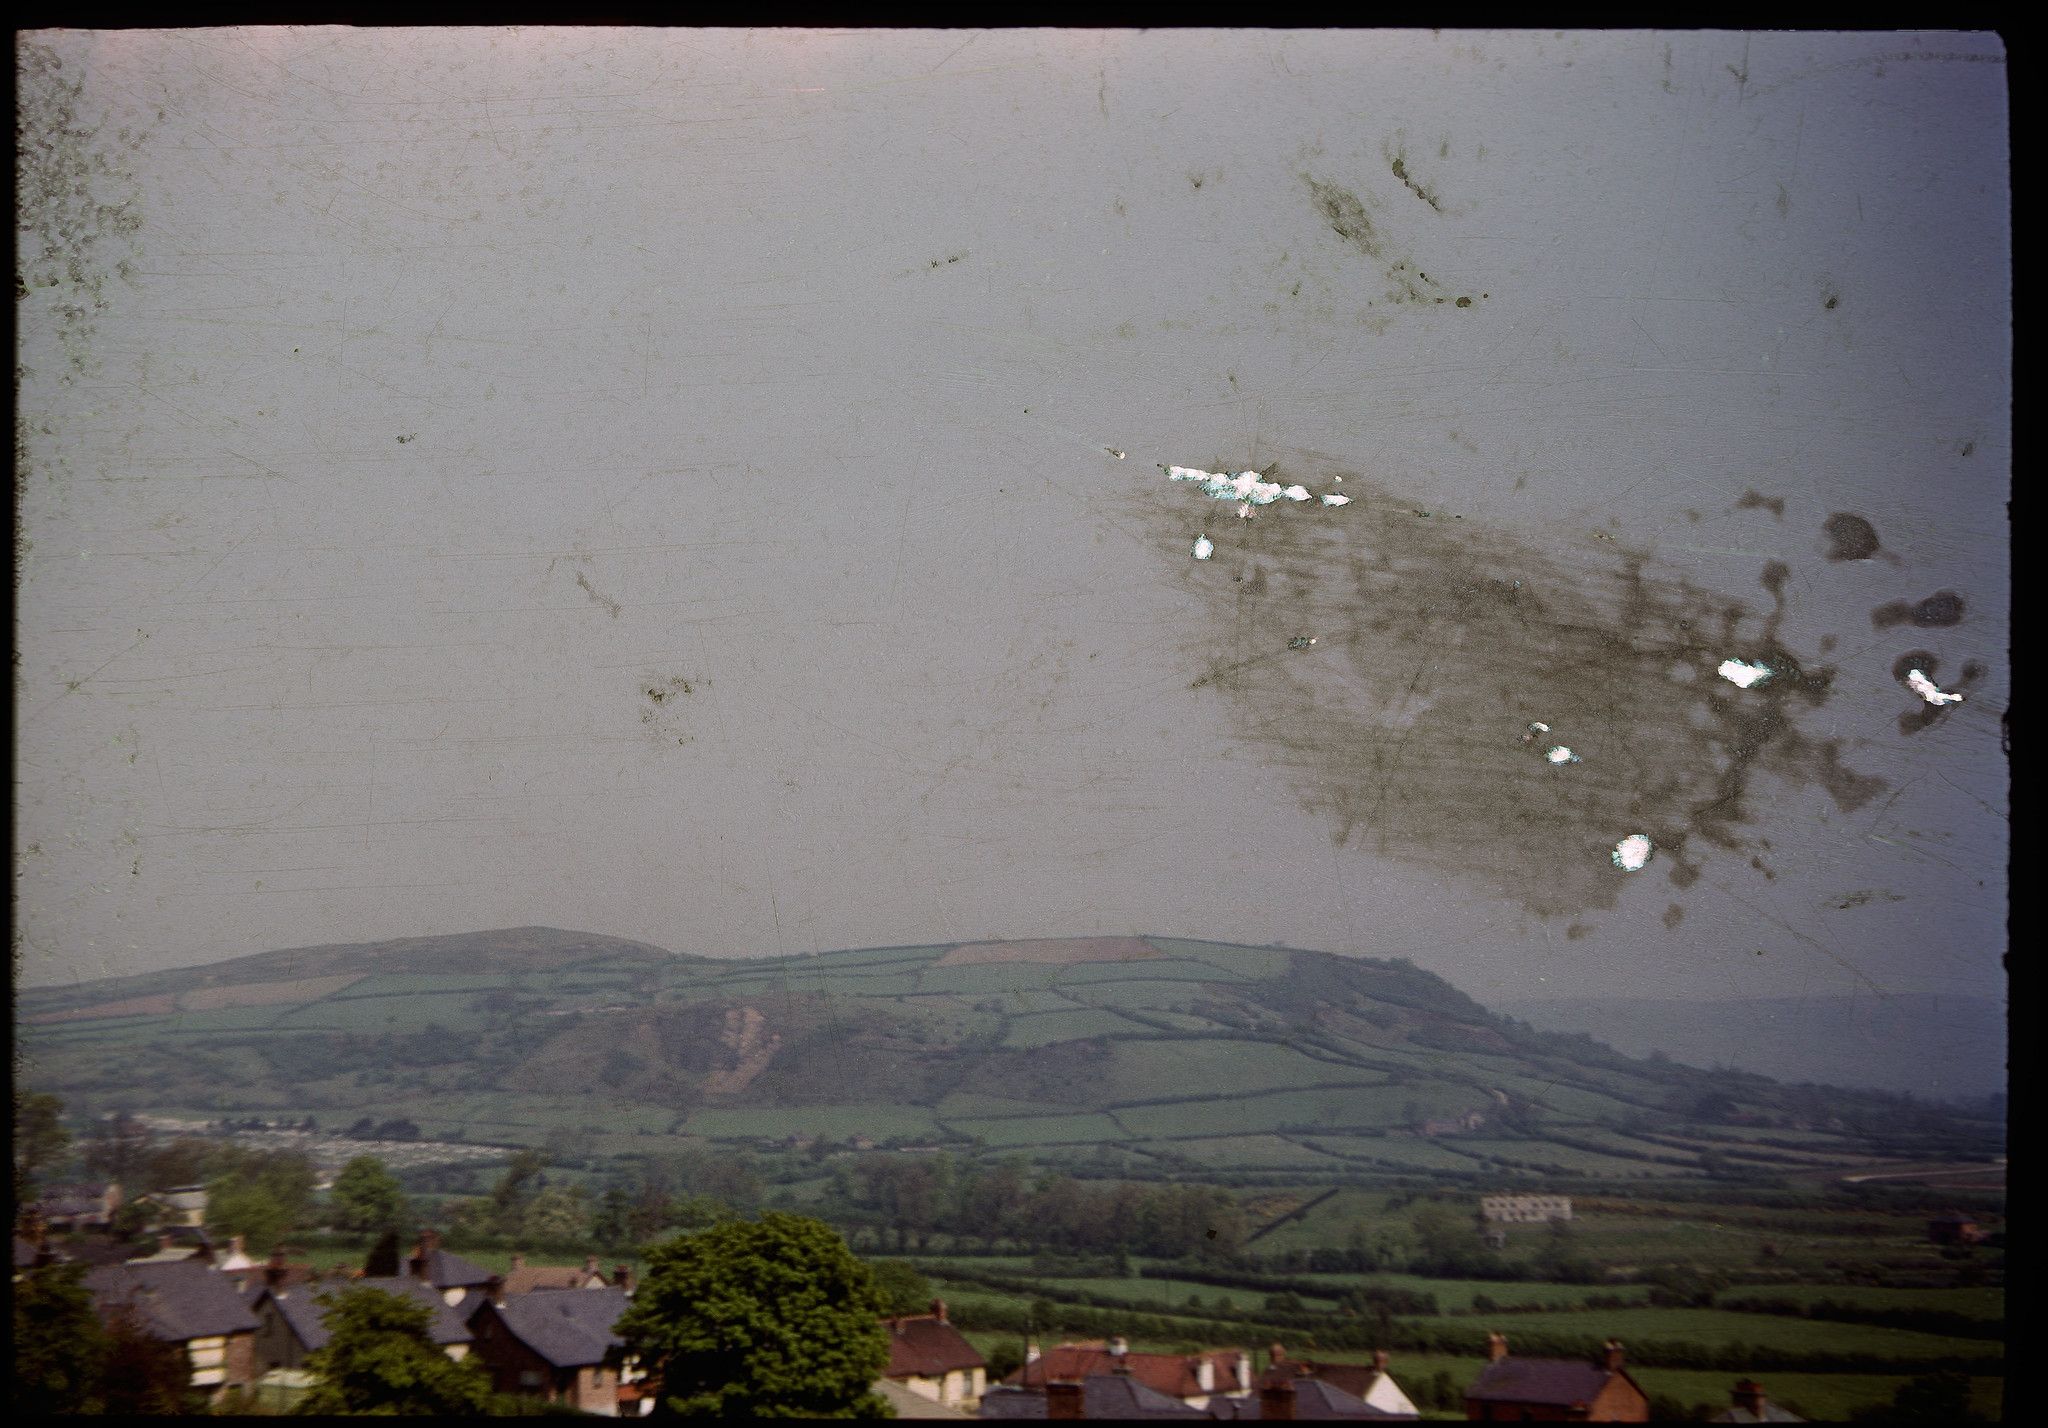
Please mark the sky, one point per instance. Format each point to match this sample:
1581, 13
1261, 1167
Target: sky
713, 488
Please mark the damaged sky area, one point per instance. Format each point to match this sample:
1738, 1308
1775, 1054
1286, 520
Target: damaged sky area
1439, 639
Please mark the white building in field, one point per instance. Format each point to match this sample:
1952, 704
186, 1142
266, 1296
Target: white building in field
1524, 1209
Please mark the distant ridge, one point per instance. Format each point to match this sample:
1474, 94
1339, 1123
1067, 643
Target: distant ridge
504, 949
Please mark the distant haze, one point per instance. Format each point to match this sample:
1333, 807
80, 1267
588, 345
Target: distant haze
708, 487
1937, 1047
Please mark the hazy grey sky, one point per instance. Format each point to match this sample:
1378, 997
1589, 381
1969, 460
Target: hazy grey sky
450, 391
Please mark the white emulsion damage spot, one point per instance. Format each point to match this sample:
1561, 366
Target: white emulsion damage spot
1204, 547
1743, 675
1631, 853
1927, 690
1559, 754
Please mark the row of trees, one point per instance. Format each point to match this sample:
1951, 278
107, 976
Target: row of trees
915, 1197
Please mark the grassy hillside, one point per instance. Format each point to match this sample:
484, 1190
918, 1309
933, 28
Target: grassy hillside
1189, 1055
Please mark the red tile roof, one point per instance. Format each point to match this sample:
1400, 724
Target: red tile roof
1172, 1374
926, 1346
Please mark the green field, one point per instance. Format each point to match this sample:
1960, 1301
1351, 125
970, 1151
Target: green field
1089, 1129
831, 1122
1719, 1326
1045, 1028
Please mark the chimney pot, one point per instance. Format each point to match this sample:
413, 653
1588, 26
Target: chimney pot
1496, 1346
1118, 1347
939, 1310
1611, 1356
1379, 1360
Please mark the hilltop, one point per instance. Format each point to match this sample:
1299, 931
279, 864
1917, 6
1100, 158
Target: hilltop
1197, 1054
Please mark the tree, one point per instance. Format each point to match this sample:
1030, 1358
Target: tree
368, 1197
143, 1375
768, 1318
1931, 1398
236, 1207
380, 1359
40, 1140
903, 1289
59, 1346
558, 1215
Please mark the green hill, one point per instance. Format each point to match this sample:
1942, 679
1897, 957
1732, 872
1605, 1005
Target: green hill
1200, 1055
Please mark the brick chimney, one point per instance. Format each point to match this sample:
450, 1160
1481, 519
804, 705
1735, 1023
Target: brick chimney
939, 1310
1064, 1400
274, 1271
1119, 1346
518, 1261
1277, 1355
1031, 1354
1749, 1397
1610, 1357
1276, 1401
590, 1265
494, 1287
622, 1277
1379, 1360
1496, 1347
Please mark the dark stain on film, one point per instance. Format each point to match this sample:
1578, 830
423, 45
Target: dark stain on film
1409, 725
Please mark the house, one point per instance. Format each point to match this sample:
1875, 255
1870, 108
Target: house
1954, 1229
1192, 1379
449, 1273
1555, 1390
524, 1278
291, 1323
176, 1244
914, 1405
1750, 1406
184, 1204
1303, 1398
560, 1347
190, 1304
275, 1273
1113, 1396
1524, 1209
1370, 1383
84, 1206
929, 1357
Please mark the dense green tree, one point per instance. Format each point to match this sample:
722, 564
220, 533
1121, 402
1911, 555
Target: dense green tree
515, 1190
380, 1359
40, 1140
237, 1207
367, 1197
143, 1375
1930, 1398
559, 1214
59, 1344
903, 1289
768, 1318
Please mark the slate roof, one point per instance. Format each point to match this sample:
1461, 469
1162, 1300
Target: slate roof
1313, 1398
178, 1300
307, 1316
1553, 1381
925, 1346
1354, 1379
568, 1330
1103, 1396
446, 1270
